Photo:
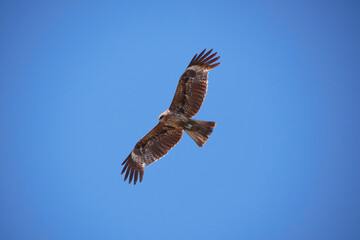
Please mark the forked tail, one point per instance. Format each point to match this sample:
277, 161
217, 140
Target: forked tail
199, 131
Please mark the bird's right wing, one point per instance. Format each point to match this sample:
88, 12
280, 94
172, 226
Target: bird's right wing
150, 148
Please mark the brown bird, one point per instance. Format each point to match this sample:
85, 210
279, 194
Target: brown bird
189, 96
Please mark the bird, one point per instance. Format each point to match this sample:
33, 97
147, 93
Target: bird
187, 101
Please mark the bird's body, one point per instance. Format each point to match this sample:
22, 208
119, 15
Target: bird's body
173, 119
189, 96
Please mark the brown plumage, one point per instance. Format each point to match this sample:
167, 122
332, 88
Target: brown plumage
189, 96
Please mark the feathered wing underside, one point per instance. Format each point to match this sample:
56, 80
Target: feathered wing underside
150, 148
192, 86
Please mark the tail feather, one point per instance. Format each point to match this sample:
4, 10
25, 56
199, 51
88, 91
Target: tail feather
199, 131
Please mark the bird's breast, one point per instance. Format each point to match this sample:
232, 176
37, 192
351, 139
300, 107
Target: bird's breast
175, 120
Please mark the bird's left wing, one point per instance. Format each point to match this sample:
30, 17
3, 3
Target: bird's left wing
192, 86
150, 148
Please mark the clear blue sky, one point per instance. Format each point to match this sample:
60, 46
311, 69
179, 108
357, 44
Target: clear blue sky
82, 81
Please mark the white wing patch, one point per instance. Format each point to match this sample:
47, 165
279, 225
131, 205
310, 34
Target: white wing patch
196, 68
137, 158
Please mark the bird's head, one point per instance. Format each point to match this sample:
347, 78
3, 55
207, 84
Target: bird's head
164, 114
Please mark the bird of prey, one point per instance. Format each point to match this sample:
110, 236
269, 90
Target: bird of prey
189, 96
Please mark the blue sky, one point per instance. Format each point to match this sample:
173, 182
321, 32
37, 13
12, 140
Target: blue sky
82, 81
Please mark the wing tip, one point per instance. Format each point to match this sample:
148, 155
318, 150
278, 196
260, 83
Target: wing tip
204, 60
133, 169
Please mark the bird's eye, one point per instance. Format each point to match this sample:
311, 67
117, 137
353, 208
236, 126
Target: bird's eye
161, 117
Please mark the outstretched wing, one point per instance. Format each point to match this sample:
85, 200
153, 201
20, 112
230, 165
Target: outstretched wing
150, 148
192, 86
